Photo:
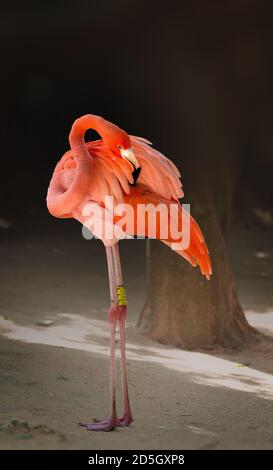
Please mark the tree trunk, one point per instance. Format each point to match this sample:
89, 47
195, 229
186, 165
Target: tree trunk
184, 309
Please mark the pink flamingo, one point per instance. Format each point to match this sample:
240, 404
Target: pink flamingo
128, 169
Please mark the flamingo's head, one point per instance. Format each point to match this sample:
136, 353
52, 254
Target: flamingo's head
119, 142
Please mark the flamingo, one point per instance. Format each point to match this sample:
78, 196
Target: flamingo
132, 172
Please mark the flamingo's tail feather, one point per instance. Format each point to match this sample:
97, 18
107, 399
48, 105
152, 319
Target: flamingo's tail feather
197, 252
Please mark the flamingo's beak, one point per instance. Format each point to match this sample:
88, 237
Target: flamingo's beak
129, 155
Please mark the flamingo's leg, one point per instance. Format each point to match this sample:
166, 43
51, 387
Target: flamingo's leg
127, 417
109, 423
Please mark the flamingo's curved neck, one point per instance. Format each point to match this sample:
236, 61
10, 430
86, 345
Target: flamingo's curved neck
80, 126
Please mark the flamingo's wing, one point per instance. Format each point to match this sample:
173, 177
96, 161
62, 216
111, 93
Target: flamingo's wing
158, 173
172, 222
111, 176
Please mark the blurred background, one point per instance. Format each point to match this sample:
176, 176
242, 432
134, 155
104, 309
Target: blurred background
195, 78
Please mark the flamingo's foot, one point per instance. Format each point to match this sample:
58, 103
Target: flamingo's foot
105, 425
125, 420
108, 424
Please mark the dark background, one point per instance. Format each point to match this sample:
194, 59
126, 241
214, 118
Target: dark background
193, 77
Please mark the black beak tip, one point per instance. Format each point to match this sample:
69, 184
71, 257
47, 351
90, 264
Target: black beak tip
135, 174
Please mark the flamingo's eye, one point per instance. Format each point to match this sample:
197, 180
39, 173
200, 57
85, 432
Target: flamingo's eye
119, 147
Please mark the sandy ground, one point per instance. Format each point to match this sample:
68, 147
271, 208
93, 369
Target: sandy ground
54, 376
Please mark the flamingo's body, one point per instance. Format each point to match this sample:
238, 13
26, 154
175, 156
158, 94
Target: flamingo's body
128, 169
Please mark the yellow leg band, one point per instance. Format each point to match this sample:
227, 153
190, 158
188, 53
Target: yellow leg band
121, 296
